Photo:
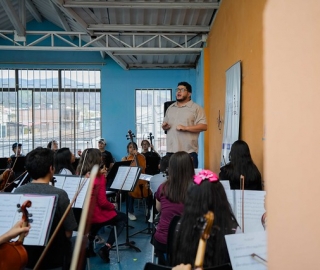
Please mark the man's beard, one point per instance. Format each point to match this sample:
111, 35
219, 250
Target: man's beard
181, 99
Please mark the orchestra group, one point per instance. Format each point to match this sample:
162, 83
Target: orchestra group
184, 193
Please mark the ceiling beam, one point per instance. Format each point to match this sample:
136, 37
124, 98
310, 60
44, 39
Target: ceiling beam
62, 19
148, 28
33, 10
161, 66
141, 5
22, 13
72, 15
13, 17
113, 50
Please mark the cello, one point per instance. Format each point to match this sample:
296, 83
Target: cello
141, 189
153, 158
13, 255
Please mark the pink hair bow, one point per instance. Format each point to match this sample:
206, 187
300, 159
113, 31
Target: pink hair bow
205, 174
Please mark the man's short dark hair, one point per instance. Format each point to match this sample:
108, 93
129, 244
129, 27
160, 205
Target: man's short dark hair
15, 145
186, 85
39, 161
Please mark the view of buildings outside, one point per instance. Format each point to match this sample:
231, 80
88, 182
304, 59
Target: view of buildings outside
37, 106
149, 117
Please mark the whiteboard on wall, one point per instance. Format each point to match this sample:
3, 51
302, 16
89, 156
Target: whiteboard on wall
232, 111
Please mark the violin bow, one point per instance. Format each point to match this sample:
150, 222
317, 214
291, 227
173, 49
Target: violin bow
242, 197
84, 221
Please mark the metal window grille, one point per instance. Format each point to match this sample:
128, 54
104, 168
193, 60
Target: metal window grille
38, 106
149, 116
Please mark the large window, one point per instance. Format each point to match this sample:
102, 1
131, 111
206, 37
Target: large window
149, 116
37, 106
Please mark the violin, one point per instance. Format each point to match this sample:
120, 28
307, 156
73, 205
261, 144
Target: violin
13, 255
207, 221
141, 189
8, 175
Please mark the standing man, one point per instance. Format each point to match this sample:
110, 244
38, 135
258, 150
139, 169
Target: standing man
184, 120
16, 148
106, 156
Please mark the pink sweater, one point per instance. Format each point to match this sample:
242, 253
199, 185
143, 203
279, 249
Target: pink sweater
103, 209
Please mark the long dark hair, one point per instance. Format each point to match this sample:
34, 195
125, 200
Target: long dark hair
208, 196
62, 160
180, 176
88, 159
241, 163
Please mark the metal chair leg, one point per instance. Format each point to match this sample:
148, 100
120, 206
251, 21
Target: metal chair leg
116, 237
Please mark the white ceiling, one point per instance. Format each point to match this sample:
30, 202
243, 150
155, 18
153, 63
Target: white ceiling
135, 34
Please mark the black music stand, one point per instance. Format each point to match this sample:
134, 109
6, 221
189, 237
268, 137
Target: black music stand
118, 184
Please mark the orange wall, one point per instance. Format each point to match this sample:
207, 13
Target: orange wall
292, 110
236, 35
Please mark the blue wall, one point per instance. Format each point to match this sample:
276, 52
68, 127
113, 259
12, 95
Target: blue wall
118, 85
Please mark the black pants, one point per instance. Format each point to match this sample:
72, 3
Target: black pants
161, 252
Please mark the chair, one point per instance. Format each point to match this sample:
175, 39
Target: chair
116, 241
170, 238
77, 213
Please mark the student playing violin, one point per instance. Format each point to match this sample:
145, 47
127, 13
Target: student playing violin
15, 231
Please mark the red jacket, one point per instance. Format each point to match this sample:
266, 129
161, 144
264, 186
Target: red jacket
103, 209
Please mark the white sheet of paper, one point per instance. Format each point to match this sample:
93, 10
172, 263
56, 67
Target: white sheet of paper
120, 177
82, 195
145, 176
241, 246
41, 210
59, 181
131, 177
70, 184
225, 184
253, 208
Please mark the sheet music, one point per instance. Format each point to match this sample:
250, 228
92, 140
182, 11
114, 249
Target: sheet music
146, 177
131, 178
253, 208
120, 177
126, 178
241, 246
225, 184
70, 184
82, 195
41, 210
59, 181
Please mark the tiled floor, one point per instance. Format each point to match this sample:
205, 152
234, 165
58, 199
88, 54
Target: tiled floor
129, 257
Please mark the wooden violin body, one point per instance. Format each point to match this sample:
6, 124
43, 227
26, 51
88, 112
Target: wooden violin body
13, 255
141, 189
7, 178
